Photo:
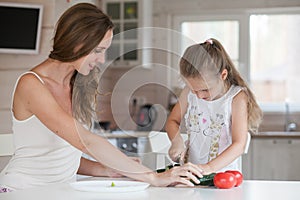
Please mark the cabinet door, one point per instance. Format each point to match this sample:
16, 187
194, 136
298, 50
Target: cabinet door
276, 159
124, 14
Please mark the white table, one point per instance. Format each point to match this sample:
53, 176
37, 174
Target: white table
254, 190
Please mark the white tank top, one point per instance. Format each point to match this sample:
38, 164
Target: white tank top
40, 158
208, 125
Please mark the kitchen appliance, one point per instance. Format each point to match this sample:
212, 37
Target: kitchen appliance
145, 120
146, 117
129, 146
104, 125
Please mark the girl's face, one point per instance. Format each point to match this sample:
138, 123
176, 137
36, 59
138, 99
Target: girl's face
95, 57
208, 89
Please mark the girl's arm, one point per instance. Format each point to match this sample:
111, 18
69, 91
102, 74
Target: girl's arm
239, 129
173, 126
33, 98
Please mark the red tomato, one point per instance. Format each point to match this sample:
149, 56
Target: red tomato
224, 180
238, 176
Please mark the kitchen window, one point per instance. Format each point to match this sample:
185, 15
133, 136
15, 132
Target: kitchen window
264, 46
226, 31
274, 54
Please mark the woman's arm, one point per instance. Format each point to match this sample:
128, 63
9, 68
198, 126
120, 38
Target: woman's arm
93, 168
173, 126
239, 128
32, 97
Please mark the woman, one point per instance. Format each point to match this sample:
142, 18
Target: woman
53, 104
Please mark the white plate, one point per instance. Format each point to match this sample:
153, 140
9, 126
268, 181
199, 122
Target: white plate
105, 186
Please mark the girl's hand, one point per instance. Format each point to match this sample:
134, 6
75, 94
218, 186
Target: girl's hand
179, 175
207, 169
177, 151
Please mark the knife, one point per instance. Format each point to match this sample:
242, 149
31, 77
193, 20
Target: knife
180, 158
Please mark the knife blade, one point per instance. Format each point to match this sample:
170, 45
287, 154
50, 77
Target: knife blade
180, 158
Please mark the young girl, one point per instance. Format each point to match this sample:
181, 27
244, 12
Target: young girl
53, 105
218, 107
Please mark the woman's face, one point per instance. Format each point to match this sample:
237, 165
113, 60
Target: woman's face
97, 56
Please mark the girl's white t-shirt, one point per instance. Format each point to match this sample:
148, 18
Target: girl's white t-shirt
41, 157
208, 125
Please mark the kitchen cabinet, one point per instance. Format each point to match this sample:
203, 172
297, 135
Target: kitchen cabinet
273, 158
129, 16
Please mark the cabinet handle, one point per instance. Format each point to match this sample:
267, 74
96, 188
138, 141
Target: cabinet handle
288, 141
134, 145
124, 146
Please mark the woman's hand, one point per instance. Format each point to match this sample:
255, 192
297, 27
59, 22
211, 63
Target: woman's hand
112, 173
179, 175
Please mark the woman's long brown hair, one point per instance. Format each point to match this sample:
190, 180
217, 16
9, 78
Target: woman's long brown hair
78, 31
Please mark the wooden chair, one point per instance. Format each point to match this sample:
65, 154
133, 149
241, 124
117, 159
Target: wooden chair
240, 167
160, 144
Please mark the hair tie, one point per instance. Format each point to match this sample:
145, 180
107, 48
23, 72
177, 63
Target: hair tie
209, 41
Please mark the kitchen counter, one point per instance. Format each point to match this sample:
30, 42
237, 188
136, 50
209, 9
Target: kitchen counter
122, 134
278, 134
137, 134
249, 190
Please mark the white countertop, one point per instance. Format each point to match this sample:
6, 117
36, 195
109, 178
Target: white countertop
249, 190
122, 134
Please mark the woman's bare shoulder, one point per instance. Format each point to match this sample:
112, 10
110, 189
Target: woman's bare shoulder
30, 85
30, 79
